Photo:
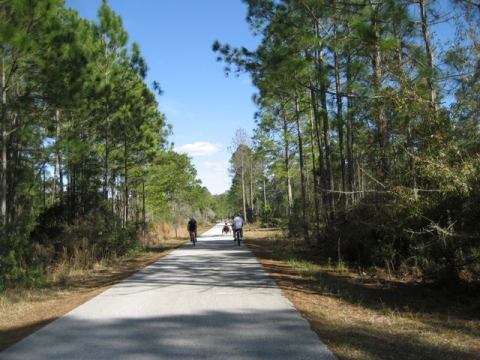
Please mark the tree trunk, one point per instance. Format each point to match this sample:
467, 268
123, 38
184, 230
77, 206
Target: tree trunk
105, 173
287, 165
106, 74
113, 190
289, 192
411, 163
379, 114
243, 187
251, 186
58, 158
430, 55
144, 220
302, 173
264, 193
73, 194
321, 160
328, 156
326, 136
340, 124
350, 164
44, 182
14, 157
126, 181
3, 206
409, 138
316, 194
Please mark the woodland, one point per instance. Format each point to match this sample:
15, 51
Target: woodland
366, 145
367, 137
86, 164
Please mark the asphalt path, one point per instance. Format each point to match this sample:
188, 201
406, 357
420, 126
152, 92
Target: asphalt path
211, 301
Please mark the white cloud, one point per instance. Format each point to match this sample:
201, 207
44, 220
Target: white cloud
214, 175
201, 148
211, 163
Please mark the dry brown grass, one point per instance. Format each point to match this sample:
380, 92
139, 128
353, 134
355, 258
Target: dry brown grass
164, 231
364, 317
23, 311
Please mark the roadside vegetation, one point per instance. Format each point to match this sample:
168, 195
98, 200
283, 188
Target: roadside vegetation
86, 165
24, 310
367, 136
370, 315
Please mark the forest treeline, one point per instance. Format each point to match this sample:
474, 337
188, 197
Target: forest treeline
85, 159
367, 142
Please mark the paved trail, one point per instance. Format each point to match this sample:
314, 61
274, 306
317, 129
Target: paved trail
212, 301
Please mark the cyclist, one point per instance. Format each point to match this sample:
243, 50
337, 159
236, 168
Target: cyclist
226, 229
192, 228
237, 226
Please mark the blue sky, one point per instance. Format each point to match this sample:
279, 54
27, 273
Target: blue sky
204, 107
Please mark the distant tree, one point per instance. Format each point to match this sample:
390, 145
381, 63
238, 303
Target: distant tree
239, 161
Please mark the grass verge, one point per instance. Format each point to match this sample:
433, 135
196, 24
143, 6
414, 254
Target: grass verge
367, 317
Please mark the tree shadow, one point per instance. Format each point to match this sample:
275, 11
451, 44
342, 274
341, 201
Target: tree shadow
438, 309
245, 335
232, 267
378, 344
382, 293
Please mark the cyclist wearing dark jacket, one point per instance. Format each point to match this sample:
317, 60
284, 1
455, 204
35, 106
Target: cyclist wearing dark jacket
192, 228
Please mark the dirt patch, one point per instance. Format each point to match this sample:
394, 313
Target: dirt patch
360, 317
23, 311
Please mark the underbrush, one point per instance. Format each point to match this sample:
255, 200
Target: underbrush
432, 241
61, 249
83, 269
366, 313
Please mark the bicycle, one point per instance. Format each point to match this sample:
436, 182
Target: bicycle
237, 236
193, 237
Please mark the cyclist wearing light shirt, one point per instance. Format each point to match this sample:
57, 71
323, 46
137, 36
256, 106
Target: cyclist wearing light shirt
237, 226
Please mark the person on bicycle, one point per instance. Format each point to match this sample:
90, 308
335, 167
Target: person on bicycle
192, 228
237, 226
226, 229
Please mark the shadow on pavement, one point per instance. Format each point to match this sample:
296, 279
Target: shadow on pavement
232, 266
174, 337
197, 337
